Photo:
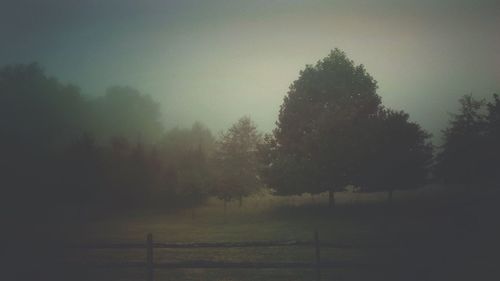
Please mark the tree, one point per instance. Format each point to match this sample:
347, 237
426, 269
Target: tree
236, 161
38, 116
37, 110
320, 127
179, 141
493, 140
470, 152
493, 116
397, 154
461, 156
186, 153
125, 112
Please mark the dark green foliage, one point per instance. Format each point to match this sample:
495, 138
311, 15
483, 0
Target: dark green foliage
333, 132
397, 154
40, 111
492, 165
235, 161
186, 153
470, 153
284, 172
36, 110
123, 175
124, 111
318, 134
38, 115
81, 171
66, 157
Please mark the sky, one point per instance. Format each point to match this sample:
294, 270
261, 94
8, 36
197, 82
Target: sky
215, 61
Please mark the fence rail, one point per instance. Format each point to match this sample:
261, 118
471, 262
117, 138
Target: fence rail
150, 265
242, 265
246, 244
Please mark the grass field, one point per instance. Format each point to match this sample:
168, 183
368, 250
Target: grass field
425, 235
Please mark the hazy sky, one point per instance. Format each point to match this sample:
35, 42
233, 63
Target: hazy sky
214, 61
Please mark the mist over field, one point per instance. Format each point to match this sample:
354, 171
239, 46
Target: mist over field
250, 140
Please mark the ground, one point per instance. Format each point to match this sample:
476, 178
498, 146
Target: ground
427, 234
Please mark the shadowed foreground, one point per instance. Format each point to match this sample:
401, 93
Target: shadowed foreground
417, 238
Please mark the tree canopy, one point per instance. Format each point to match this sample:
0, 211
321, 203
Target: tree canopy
64, 154
333, 131
37, 110
470, 153
124, 111
319, 125
236, 161
397, 154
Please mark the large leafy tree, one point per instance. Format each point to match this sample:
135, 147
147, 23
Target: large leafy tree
320, 127
236, 162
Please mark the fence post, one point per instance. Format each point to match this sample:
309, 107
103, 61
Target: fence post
149, 257
318, 260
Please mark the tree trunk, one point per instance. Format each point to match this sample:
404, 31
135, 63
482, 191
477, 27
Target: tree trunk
240, 204
389, 196
331, 198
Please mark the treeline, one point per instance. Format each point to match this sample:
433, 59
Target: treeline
64, 153
66, 156
470, 155
333, 132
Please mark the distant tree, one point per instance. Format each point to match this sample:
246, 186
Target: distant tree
82, 174
236, 162
194, 177
124, 170
320, 127
463, 154
179, 141
63, 154
397, 154
38, 116
37, 110
493, 116
134, 176
186, 153
493, 140
124, 111
470, 153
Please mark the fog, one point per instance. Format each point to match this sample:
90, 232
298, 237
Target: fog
135, 145
214, 61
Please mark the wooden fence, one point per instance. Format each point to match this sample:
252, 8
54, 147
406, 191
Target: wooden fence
150, 265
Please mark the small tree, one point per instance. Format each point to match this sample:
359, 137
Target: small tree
493, 140
397, 154
470, 152
235, 161
186, 153
460, 159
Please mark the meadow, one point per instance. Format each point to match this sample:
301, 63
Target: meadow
423, 235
